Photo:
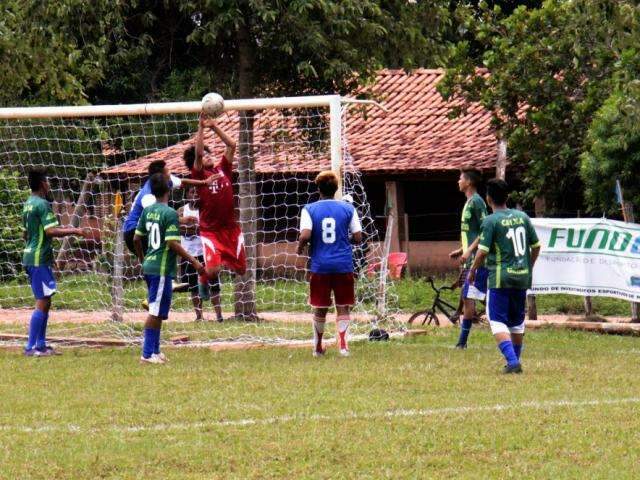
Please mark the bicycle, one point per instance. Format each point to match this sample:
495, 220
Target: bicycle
430, 315
440, 305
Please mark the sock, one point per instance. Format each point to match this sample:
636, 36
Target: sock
41, 341
35, 327
343, 330
318, 331
517, 349
156, 341
149, 342
203, 291
506, 347
465, 329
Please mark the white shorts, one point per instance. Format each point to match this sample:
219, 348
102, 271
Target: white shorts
499, 327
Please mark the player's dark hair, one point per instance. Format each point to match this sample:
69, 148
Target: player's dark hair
327, 183
473, 175
189, 156
159, 185
498, 190
156, 167
36, 177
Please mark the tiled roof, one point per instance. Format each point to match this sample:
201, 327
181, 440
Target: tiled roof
414, 136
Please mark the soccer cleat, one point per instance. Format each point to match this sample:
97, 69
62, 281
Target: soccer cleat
319, 353
461, 346
512, 369
220, 319
162, 357
145, 304
153, 360
344, 352
49, 351
33, 353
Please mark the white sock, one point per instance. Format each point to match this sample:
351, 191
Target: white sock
343, 330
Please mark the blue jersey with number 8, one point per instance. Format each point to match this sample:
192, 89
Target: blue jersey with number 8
330, 222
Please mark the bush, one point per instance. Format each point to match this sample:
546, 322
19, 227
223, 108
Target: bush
12, 197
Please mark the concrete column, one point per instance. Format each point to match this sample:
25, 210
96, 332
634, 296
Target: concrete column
501, 159
395, 208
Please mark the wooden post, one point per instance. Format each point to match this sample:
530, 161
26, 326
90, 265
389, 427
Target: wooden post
540, 206
117, 289
78, 211
629, 216
395, 208
588, 304
407, 244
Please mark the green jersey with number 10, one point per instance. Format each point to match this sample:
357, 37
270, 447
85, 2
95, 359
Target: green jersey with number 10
508, 237
159, 223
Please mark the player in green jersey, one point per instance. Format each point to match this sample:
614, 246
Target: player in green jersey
510, 246
473, 213
159, 224
40, 225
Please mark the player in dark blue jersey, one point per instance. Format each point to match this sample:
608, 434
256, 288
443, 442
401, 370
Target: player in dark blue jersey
145, 198
326, 225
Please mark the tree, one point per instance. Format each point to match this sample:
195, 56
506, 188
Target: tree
547, 71
613, 152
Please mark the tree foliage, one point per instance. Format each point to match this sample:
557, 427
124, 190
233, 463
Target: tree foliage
550, 70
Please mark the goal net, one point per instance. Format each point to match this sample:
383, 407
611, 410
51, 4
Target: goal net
97, 160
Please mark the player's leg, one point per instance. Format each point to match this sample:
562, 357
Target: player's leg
320, 300
518, 302
498, 314
212, 255
214, 290
471, 293
43, 286
343, 286
230, 244
159, 298
190, 278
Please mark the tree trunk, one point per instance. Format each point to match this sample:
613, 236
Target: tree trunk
245, 285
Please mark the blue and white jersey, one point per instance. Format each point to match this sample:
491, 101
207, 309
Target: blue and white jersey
330, 222
143, 199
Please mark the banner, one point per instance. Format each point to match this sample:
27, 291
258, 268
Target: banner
588, 256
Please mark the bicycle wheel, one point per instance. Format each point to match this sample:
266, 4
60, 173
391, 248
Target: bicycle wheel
424, 318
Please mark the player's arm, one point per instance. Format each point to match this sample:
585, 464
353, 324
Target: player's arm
137, 243
355, 228
229, 143
188, 225
472, 248
484, 245
191, 182
306, 226
477, 262
176, 247
53, 230
197, 164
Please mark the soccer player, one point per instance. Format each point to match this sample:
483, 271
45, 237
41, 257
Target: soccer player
41, 226
189, 216
144, 198
510, 246
326, 225
473, 213
159, 223
222, 238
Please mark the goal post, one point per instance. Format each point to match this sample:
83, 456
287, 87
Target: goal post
283, 143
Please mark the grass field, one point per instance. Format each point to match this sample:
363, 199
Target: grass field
413, 408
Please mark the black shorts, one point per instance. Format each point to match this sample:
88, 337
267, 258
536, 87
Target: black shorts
189, 275
128, 239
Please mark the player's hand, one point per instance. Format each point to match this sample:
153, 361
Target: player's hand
212, 178
188, 221
84, 232
199, 268
455, 253
471, 277
464, 257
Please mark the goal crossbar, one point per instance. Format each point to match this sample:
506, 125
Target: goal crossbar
167, 107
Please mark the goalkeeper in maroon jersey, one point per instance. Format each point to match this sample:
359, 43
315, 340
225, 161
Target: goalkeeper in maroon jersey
222, 239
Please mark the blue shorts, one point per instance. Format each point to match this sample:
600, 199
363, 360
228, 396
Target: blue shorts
43, 284
506, 309
160, 290
477, 291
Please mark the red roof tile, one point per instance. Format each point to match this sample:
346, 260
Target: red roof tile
414, 136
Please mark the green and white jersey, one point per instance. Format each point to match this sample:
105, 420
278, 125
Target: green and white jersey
159, 223
508, 236
37, 216
473, 213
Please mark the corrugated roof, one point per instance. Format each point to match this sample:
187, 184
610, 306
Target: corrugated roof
414, 136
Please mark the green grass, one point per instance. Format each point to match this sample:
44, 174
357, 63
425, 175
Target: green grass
92, 292
94, 412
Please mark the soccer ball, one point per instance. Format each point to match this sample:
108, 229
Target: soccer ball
212, 104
